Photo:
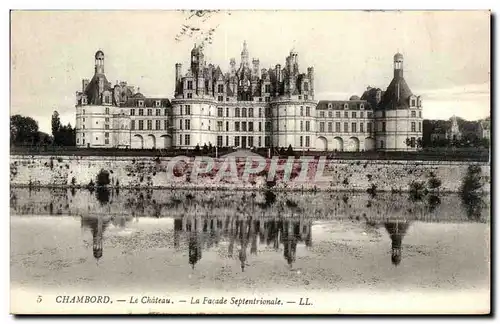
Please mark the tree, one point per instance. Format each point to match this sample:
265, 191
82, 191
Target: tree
56, 123
23, 130
289, 151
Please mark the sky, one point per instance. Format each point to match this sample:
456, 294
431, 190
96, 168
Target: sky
446, 53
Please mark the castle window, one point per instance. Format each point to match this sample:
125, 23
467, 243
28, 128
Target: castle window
330, 114
308, 111
150, 112
219, 141
361, 127
267, 141
383, 126
337, 114
346, 114
237, 112
369, 114
227, 126
83, 126
220, 98
150, 124
346, 106
301, 126
220, 112
220, 88
243, 112
227, 140
83, 134
322, 114
268, 126
141, 112
301, 111
180, 124
190, 85
180, 139
268, 99
330, 129
306, 98
141, 124
420, 114
300, 97
132, 124
301, 141
353, 114
165, 124
322, 127
361, 106
306, 86
413, 127
243, 126
132, 112
413, 103
267, 88
107, 99
260, 112
250, 112
157, 124
353, 127
141, 103
227, 98
106, 126
158, 103
236, 141
187, 124
188, 109
329, 106
369, 127
419, 126
250, 126
381, 144
84, 102
346, 127
260, 126
187, 139
219, 126
158, 112
165, 111
190, 95
308, 141
337, 127
361, 114
413, 113
308, 126
260, 141
106, 135
260, 99
106, 111
83, 111
237, 126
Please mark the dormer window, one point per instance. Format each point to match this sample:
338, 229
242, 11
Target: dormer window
330, 106
346, 106
84, 100
141, 103
362, 106
190, 95
158, 103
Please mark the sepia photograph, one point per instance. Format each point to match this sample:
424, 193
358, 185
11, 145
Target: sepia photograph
250, 162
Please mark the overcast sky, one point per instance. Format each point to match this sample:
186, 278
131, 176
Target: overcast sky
447, 54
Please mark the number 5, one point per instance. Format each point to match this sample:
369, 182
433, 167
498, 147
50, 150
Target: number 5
39, 299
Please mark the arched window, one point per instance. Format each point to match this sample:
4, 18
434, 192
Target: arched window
306, 86
237, 112
243, 112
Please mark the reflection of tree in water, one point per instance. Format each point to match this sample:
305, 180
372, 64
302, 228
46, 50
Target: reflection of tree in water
433, 201
473, 205
102, 195
397, 230
243, 234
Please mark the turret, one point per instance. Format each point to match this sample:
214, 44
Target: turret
178, 76
255, 70
85, 83
244, 54
99, 62
398, 65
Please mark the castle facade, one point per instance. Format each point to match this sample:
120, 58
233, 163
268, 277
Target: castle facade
246, 107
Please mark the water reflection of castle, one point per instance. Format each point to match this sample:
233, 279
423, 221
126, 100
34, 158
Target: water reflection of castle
244, 234
97, 225
397, 230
